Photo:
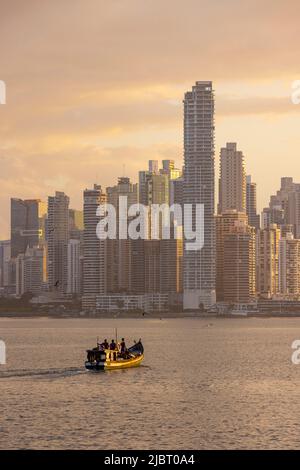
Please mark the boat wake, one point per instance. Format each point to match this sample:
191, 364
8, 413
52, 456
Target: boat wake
55, 372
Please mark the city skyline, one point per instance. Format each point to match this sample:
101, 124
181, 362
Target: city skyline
149, 228
73, 111
61, 252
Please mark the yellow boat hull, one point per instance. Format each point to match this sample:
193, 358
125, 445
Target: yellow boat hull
124, 364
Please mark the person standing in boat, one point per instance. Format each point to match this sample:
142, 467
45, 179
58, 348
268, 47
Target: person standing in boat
105, 344
113, 347
123, 348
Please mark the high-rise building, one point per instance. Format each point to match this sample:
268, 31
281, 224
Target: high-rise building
284, 206
289, 267
251, 204
153, 186
5, 255
199, 177
176, 191
293, 211
94, 253
171, 255
239, 265
58, 238
76, 224
156, 184
232, 182
157, 266
124, 188
154, 189
119, 251
273, 215
225, 223
268, 261
153, 167
168, 168
74, 267
138, 266
152, 265
286, 229
27, 224
30, 271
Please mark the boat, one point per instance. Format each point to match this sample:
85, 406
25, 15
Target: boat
105, 359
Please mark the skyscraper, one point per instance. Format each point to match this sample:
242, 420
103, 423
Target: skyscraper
76, 224
152, 265
176, 191
292, 213
74, 267
58, 237
5, 255
251, 206
199, 175
232, 182
168, 168
225, 224
27, 224
153, 185
94, 260
138, 266
153, 166
289, 267
119, 251
284, 206
171, 252
30, 271
239, 264
268, 260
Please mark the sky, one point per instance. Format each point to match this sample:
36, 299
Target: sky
95, 89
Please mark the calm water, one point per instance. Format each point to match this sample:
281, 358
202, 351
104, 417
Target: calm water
228, 385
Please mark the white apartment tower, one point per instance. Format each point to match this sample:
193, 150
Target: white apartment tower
94, 266
289, 267
199, 266
30, 271
74, 267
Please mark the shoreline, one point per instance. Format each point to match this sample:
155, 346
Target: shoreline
158, 315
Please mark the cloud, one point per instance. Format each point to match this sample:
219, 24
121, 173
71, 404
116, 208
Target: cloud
232, 106
95, 85
40, 175
132, 41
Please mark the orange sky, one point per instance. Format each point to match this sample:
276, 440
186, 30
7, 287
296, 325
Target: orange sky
95, 85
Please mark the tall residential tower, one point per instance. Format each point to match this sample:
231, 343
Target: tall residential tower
251, 207
58, 237
27, 224
199, 266
94, 263
232, 182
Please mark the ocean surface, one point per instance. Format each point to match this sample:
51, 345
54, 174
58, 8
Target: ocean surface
205, 384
